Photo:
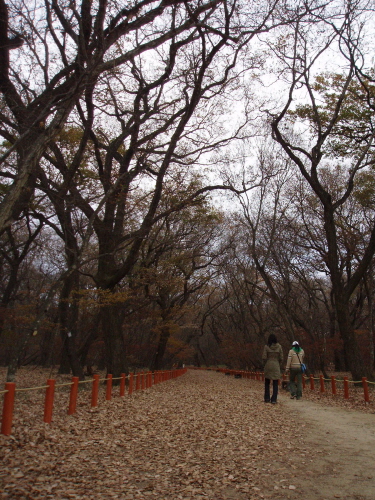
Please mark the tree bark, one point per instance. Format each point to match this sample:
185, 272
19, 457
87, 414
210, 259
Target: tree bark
161, 348
112, 318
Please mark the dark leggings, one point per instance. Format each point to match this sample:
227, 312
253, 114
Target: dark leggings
275, 389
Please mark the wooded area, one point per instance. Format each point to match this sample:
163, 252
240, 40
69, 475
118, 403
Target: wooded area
179, 179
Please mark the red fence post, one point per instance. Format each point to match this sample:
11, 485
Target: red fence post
137, 382
48, 402
6, 423
122, 384
95, 390
303, 382
73, 396
108, 392
142, 381
312, 384
333, 385
130, 390
346, 388
365, 390
322, 387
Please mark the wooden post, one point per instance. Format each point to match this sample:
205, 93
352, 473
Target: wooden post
73, 396
130, 390
303, 381
142, 381
48, 402
365, 390
312, 385
122, 384
95, 390
322, 388
108, 392
6, 423
138, 382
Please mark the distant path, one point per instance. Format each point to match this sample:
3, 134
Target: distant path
201, 436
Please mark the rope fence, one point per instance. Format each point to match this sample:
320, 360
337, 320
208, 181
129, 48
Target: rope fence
142, 381
333, 381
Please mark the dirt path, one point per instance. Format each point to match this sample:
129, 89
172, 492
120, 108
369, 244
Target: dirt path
201, 436
343, 443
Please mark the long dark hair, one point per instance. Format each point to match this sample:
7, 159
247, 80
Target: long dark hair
272, 339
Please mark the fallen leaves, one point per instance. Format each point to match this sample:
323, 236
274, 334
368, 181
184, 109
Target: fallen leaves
201, 436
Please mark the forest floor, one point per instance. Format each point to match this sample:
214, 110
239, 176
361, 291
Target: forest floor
201, 436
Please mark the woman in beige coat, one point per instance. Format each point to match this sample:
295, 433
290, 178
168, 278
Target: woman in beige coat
272, 357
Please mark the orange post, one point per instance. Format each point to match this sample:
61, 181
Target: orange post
137, 382
346, 388
108, 392
312, 384
303, 381
322, 387
333, 385
48, 402
365, 390
73, 396
150, 379
130, 389
142, 381
122, 384
95, 390
6, 423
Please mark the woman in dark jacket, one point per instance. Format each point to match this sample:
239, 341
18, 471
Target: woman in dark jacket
272, 357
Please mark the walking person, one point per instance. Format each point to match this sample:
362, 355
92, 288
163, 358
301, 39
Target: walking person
294, 367
272, 357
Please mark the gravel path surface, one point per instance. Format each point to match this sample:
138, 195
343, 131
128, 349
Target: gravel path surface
201, 436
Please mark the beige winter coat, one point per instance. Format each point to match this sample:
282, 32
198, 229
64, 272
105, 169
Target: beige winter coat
272, 357
293, 362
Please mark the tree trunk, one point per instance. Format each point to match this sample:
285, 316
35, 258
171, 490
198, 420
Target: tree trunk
112, 321
160, 351
351, 349
68, 315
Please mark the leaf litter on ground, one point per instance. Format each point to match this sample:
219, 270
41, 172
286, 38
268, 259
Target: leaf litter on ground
200, 436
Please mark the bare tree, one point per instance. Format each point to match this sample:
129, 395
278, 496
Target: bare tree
66, 49
318, 150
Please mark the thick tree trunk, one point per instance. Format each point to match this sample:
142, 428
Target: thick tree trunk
161, 348
91, 338
351, 349
112, 321
68, 315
